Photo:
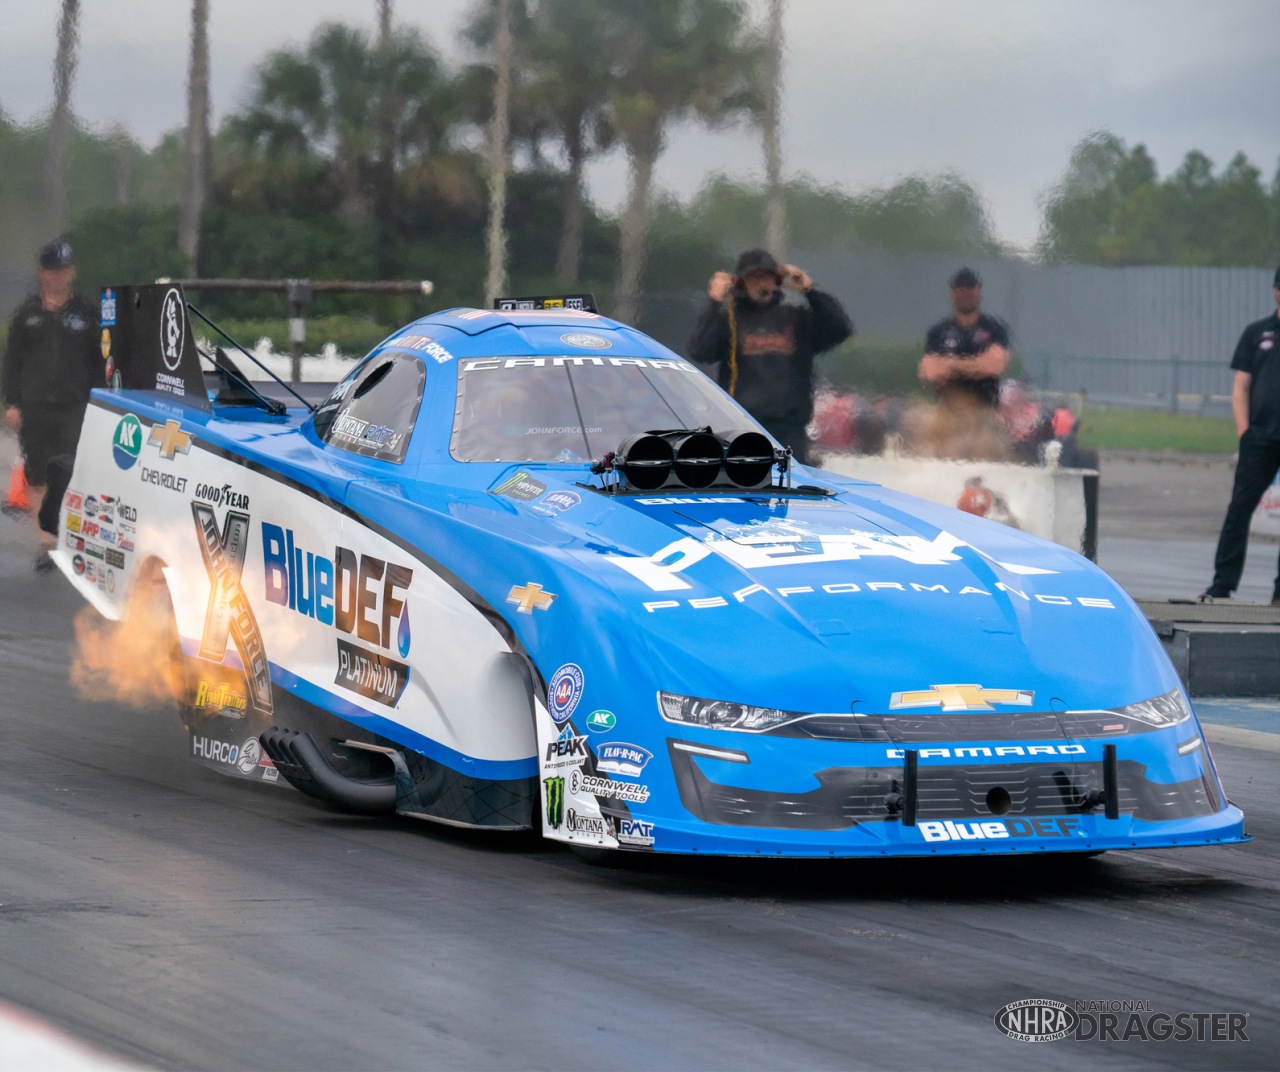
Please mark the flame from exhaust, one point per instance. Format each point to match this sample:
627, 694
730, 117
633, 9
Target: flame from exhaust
126, 661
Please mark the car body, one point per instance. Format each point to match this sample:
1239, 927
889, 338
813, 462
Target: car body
425, 597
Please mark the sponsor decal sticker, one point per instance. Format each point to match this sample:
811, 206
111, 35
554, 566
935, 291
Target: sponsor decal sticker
73, 501
250, 754
554, 789
569, 750
521, 486
601, 721
77, 564
164, 480
584, 341
606, 787
218, 697
113, 557
619, 757
357, 594
74, 524
586, 824
423, 344
126, 441
564, 691
170, 439
561, 500
220, 495
635, 832
982, 751
998, 829
107, 309
530, 597
962, 698
172, 330
214, 750
229, 611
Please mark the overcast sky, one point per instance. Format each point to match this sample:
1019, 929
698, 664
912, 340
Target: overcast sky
996, 90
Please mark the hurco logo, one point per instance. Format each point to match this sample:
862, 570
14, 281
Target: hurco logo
961, 698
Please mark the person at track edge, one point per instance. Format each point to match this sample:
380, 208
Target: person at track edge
51, 364
1255, 404
967, 353
760, 348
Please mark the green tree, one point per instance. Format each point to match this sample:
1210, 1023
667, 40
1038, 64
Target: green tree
673, 60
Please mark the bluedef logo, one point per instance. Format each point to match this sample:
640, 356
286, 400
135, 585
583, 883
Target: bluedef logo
229, 612
619, 757
356, 594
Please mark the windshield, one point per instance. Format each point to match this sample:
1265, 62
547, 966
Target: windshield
568, 409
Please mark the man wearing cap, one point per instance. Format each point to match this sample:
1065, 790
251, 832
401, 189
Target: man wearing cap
1255, 404
52, 363
967, 353
762, 347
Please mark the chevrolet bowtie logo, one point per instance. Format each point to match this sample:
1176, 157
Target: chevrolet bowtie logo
961, 698
527, 597
170, 439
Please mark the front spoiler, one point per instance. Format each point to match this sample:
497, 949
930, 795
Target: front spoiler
968, 837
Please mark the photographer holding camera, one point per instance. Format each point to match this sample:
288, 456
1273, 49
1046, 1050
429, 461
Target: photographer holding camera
764, 347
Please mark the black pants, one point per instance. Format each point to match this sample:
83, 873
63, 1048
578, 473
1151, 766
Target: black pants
1257, 467
790, 434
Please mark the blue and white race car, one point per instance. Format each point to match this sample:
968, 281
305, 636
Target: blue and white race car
527, 567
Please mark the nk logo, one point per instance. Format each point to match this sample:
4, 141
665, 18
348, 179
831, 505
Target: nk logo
126, 442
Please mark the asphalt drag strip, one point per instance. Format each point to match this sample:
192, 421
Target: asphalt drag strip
181, 920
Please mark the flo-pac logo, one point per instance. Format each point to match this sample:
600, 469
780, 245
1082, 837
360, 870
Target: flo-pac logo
355, 594
126, 442
619, 757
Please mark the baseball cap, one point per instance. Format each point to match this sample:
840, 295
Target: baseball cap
57, 255
756, 260
966, 277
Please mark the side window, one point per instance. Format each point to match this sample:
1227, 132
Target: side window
373, 410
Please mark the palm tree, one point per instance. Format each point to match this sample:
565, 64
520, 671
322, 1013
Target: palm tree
567, 54
328, 99
675, 59
196, 164
64, 74
496, 234
775, 213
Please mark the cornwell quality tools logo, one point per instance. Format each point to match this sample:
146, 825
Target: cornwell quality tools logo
1046, 1020
961, 698
229, 611
530, 597
356, 594
555, 801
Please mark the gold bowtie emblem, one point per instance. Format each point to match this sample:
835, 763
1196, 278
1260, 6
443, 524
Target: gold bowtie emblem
961, 698
528, 597
170, 439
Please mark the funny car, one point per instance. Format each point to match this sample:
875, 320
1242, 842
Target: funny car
526, 567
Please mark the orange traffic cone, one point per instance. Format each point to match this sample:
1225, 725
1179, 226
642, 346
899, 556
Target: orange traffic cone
18, 498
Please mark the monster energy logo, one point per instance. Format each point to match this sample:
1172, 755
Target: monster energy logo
229, 610
555, 801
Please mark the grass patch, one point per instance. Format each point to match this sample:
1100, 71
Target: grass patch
1129, 429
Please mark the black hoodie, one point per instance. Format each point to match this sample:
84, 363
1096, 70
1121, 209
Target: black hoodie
776, 344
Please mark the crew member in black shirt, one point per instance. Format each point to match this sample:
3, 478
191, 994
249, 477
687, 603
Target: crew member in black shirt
1255, 403
763, 347
967, 353
52, 363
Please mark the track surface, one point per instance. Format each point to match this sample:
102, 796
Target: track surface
182, 920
